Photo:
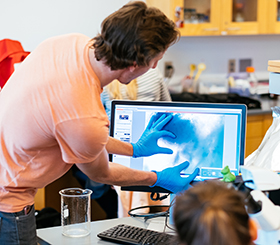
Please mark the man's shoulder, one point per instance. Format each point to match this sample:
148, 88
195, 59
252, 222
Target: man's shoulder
69, 36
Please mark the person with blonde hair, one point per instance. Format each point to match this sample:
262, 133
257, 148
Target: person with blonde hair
148, 87
213, 213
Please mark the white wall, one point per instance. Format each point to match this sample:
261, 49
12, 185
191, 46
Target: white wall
216, 51
32, 21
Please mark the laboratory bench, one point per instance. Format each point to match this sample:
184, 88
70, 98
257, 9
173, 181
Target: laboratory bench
266, 105
54, 235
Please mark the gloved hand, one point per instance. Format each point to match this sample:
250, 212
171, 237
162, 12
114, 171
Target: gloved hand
147, 144
171, 180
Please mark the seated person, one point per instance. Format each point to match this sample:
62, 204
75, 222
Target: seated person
213, 213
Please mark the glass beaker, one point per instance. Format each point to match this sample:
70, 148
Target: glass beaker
75, 212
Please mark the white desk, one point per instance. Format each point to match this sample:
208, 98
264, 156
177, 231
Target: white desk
54, 236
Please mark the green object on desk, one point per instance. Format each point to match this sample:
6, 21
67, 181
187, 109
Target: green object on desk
227, 175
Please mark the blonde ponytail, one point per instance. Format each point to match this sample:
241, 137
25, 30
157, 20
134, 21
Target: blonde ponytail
114, 90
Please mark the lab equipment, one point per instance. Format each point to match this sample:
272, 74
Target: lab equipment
259, 207
75, 212
252, 79
200, 68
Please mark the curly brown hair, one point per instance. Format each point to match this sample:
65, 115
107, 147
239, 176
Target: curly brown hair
212, 213
134, 33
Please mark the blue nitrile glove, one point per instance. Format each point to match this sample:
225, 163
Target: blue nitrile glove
147, 144
171, 180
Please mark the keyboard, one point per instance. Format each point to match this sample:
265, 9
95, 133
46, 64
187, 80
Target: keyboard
127, 234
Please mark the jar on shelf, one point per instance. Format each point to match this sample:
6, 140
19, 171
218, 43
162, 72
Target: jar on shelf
239, 17
187, 15
201, 18
194, 18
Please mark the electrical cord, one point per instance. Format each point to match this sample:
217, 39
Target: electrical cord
148, 216
155, 197
154, 215
168, 216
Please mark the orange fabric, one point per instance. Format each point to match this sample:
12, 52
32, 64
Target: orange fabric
11, 52
52, 118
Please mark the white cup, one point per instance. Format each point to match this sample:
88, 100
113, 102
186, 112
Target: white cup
75, 212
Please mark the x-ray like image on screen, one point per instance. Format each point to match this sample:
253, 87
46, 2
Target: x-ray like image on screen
199, 140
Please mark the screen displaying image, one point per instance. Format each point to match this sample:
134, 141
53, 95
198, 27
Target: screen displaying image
210, 138
199, 140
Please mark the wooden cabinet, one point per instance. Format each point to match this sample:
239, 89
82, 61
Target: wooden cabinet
212, 17
257, 125
211, 7
40, 199
250, 18
223, 17
273, 23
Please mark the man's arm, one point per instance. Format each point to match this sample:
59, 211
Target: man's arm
115, 146
100, 170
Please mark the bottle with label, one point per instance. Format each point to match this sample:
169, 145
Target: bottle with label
252, 79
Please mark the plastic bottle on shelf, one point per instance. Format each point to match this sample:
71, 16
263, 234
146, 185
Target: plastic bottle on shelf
239, 17
252, 79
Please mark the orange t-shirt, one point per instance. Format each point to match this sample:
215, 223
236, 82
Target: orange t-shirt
51, 117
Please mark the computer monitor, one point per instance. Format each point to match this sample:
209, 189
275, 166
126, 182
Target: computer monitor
210, 136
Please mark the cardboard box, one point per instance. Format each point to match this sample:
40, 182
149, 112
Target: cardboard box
274, 66
274, 63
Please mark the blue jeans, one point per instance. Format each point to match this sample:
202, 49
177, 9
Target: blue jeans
18, 228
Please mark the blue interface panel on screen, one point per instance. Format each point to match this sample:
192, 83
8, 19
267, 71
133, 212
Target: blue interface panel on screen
210, 136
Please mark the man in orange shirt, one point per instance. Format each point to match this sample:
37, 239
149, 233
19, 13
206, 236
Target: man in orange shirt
51, 115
